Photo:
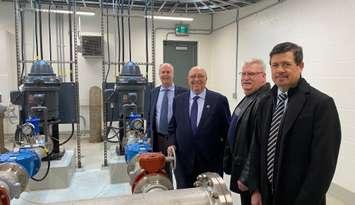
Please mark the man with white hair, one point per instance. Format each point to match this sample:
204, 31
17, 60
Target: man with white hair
198, 130
240, 133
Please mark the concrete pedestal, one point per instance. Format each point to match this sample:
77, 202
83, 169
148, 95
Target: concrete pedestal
59, 176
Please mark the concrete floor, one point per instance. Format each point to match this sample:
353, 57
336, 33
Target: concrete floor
93, 181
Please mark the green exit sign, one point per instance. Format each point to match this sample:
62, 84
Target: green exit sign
182, 29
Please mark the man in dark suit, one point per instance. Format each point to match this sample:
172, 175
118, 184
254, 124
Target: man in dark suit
240, 133
160, 110
298, 135
198, 130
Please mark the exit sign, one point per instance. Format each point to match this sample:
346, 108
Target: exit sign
182, 29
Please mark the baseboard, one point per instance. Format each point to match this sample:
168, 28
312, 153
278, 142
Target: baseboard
339, 192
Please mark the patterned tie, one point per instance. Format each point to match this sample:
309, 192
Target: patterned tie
273, 135
193, 117
163, 121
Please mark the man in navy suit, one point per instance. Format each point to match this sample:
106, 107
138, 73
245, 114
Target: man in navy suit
198, 130
160, 110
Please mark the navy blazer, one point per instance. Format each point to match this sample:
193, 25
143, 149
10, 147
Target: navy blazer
206, 147
151, 121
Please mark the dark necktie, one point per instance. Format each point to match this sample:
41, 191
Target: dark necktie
163, 121
193, 117
273, 134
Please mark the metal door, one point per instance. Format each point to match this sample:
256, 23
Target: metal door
182, 55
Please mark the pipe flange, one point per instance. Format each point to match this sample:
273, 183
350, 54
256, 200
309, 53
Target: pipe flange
15, 177
153, 182
216, 187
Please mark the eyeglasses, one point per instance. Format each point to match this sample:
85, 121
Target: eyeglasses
284, 65
199, 76
249, 74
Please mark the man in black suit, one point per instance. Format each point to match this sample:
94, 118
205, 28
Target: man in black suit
160, 110
198, 130
240, 133
298, 136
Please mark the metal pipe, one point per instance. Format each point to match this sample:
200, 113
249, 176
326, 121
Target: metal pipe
211, 190
76, 75
50, 61
122, 63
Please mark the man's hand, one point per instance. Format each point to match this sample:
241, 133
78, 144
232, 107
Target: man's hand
256, 198
241, 186
171, 150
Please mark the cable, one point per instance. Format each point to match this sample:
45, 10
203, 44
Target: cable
50, 34
40, 28
146, 39
119, 40
46, 174
71, 135
129, 30
122, 30
36, 32
108, 46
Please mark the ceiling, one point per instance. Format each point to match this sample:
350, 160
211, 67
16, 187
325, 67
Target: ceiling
162, 6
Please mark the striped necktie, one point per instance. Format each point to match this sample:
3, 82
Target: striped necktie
273, 134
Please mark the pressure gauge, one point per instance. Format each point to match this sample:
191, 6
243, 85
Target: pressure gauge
27, 128
137, 124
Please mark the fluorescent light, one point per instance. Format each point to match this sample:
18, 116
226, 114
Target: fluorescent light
83, 13
172, 18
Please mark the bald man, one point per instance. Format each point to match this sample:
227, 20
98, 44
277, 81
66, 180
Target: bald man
160, 111
198, 130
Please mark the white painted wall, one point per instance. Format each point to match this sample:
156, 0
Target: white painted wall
90, 69
326, 31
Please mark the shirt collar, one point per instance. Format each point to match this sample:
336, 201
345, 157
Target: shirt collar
201, 95
172, 87
279, 92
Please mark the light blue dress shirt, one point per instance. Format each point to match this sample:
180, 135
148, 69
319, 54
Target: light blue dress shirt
160, 100
200, 103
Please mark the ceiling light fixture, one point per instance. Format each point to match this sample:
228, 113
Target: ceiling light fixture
82, 13
171, 18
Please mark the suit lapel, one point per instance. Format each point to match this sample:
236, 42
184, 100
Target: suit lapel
186, 112
205, 111
155, 98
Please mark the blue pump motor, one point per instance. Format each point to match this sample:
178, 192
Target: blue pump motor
25, 157
133, 149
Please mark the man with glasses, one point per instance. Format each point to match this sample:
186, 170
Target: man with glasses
297, 136
240, 133
198, 130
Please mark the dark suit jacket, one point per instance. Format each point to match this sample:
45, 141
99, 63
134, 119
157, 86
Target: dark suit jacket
307, 150
151, 121
204, 149
237, 154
